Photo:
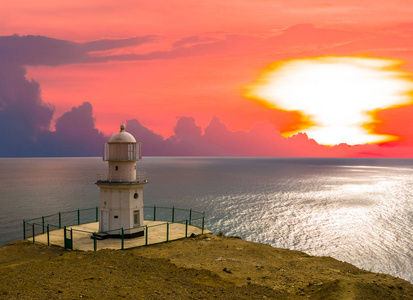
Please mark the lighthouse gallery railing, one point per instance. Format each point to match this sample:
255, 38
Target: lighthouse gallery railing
104, 177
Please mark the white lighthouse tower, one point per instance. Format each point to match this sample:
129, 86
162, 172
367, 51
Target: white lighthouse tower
121, 189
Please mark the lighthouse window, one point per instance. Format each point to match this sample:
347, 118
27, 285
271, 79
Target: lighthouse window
131, 151
136, 217
116, 168
136, 196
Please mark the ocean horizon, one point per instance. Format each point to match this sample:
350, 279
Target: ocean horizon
358, 210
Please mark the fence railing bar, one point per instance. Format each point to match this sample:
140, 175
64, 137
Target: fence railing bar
34, 219
82, 230
48, 216
68, 212
85, 209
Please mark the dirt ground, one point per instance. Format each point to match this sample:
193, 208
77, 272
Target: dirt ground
206, 267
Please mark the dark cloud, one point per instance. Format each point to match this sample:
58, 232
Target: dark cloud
31, 50
25, 119
23, 115
108, 44
217, 140
187, 139
194, 50
75, 135
153, 144
186, 129
40, 50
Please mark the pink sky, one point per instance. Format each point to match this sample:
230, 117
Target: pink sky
202, 54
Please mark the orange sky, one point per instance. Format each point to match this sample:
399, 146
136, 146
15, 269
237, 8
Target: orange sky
210, 51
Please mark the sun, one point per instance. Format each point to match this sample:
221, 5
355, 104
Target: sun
336, 93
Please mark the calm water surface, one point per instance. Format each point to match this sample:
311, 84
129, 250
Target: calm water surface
355, 210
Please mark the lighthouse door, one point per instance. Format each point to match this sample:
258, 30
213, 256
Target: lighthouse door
105, 220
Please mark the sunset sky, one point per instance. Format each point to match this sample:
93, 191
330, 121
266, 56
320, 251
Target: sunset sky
221, 78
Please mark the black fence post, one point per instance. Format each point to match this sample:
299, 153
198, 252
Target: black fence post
60, 220
203, 222
154, 212
94, 242
33, 232
123, 241
186, 228
146, 235
173, 214
71, 238
190, 216
78, 216
97, 213
48, 238
24, 229
42, 224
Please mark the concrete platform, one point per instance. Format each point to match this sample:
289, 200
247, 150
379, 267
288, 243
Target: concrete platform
82, 240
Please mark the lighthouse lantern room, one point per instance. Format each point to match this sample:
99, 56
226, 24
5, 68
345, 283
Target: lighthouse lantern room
121, 188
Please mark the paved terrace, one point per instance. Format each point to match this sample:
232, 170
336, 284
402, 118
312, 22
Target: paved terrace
82, 236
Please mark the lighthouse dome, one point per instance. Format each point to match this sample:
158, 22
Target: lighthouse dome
122, 136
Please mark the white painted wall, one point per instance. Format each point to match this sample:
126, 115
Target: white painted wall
119, 200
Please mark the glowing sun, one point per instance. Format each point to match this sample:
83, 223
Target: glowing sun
337, 94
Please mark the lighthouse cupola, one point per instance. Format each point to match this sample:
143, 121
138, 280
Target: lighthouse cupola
121, 188
122, 151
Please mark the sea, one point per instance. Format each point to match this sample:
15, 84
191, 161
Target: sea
355, 210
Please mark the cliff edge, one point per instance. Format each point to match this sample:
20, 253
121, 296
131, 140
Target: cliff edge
196, 268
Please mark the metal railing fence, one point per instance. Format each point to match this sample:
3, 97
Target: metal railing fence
64, 220
140, 177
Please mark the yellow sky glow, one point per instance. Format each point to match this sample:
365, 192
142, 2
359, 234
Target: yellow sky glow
335, 93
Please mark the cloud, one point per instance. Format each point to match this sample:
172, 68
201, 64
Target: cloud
23, 115
31, 50
25, 119
186, 40
75, 135
39, 50
153, 144
180, 52
107, 44
186, 129
296, 40
396, 121
263, 140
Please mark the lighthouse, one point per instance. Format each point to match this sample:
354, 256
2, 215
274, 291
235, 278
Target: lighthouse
121, 188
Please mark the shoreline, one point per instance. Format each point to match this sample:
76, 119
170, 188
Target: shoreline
204, 267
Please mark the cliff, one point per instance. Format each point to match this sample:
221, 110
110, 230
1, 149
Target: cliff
196, 268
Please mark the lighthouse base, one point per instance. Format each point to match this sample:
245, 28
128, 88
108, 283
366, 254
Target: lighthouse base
104, 235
